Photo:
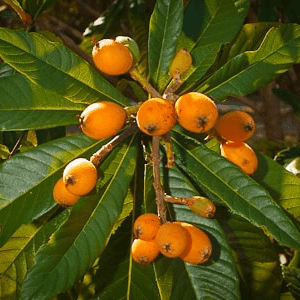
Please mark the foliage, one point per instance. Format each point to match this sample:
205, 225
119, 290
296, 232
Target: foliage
47, 252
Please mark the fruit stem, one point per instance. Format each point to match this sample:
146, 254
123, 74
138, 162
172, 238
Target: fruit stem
136, 75
161, 210
132, 110
169, 150
176, 200
98, 156
174, 85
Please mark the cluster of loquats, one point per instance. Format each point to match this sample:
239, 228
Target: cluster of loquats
172, 239
234, 128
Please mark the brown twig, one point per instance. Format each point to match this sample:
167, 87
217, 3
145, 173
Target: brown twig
169, 92
161, 210
135, 74
94, 13
98, 156
62, 25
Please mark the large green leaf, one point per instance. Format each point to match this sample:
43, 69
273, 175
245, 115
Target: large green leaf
283, 185
55, 67
27, 180
25, 105
17, 255
251, 70
220, 179
212, 21
76, 245
164, 31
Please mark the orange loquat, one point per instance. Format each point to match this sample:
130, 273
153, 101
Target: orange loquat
80, 176
199, 247
62, 196
241, 155
144, 252
111, 57
171, 239
156, 116
146, 226
196, 112
236, 126
102, 119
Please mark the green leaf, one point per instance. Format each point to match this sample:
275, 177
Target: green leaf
55, 67
139, 29
164, 31
76, 245
251, 70
212, 21
17, 255
249, 38
25, 105
283, 186
27, 180
220, 179
35, 8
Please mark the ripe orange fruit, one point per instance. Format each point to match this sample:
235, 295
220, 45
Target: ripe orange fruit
240, 154
199, 248
62, 196
146, 226
196, 112
102, 119
171, 239
111, 57
156, 116
144, 252
235, 126
80, 176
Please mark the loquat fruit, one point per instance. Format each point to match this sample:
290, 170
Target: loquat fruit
102, 119
236, 126
241, 155
62, 196
80, 176
199, 247
201, 206
181, 63
144, 252
111, 57
156, 116
196, 112
171, 239
146, 226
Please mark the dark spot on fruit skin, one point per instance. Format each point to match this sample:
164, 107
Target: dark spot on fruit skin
248, 127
